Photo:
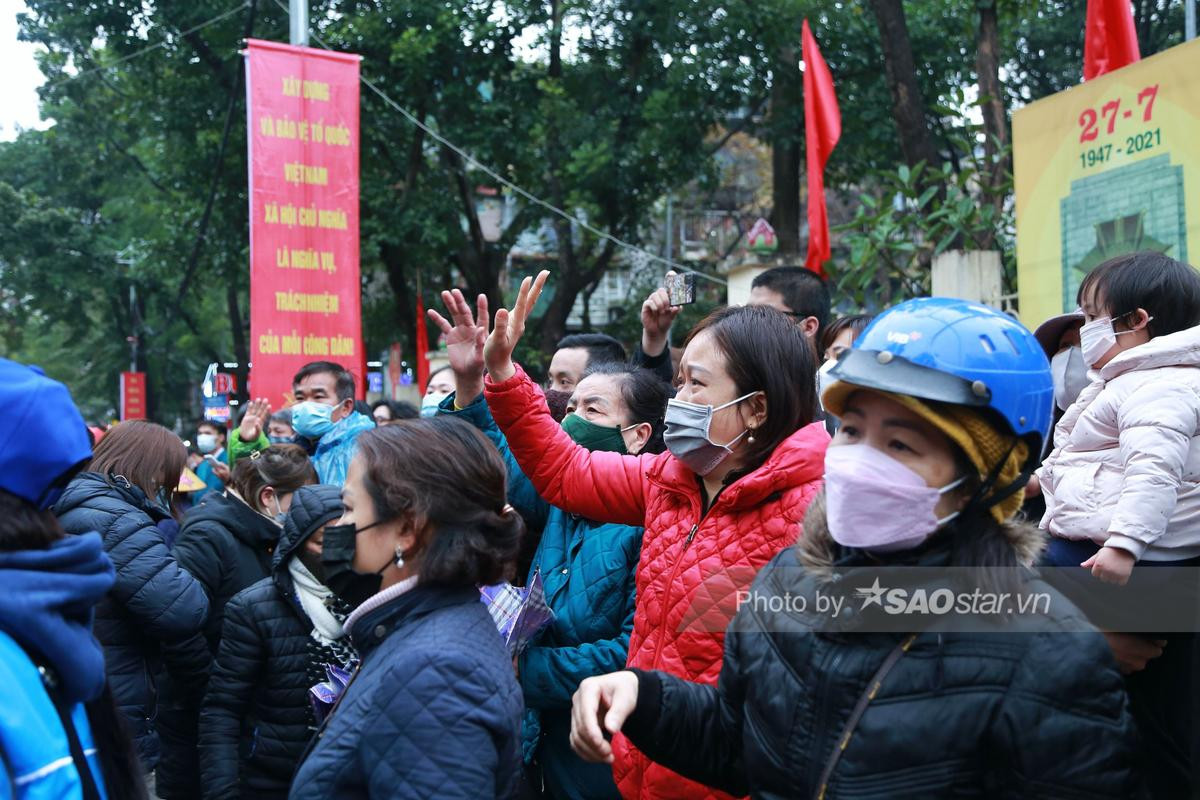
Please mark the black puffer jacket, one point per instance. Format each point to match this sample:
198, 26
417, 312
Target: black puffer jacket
257, 717
1003, 713
227, 546
153, 600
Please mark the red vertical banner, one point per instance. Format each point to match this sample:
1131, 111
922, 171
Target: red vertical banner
305, 296
133, 395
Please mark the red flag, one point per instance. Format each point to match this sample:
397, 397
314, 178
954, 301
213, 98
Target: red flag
422, 346
822, 129
1111, 39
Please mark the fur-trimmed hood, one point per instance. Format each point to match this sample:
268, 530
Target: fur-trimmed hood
816, 549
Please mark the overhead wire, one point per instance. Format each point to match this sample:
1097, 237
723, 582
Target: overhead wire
510, 185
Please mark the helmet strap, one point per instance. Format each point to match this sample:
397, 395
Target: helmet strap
983, 500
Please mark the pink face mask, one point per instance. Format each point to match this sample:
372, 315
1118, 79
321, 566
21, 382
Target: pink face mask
873, 502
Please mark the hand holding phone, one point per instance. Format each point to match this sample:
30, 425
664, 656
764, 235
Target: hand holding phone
681, 289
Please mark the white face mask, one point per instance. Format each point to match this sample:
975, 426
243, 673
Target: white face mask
824, 381
1097, 337
1070, 376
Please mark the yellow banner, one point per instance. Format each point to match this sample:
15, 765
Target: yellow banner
1105, 168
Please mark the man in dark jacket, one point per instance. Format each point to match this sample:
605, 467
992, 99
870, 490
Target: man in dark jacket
153, 600
257, 717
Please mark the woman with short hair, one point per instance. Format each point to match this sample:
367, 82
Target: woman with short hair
434, 709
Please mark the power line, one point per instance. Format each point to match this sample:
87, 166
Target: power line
145, 50
404, 112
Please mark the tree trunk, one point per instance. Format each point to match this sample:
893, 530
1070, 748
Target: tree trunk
908, 106
995, 121
787, 102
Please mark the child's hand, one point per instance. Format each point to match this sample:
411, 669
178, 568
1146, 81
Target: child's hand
1111, 565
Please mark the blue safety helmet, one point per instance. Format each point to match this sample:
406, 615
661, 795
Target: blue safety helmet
954, 351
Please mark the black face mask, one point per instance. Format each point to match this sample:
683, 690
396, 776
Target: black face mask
557, 401
337, 556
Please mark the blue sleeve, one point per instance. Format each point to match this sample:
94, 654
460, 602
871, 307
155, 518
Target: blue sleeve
521, 494
550, 675
446, 698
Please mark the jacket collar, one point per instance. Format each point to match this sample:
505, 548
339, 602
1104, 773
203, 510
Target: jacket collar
347, 428
368, 630
249, 527
1179, 349
799, 459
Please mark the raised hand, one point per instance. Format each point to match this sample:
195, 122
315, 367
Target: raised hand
598, 710
657, 317
509, 327
464, 343
258, 411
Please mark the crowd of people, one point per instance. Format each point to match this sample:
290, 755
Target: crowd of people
314, 622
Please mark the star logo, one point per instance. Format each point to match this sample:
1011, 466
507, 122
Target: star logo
870, 594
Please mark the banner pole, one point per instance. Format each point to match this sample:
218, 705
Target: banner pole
298, 22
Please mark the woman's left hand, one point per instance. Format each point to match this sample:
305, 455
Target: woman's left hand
509, 327
1111, 565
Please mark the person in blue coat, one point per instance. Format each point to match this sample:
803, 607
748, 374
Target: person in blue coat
434, 709
59, 734
122, 495
587, 567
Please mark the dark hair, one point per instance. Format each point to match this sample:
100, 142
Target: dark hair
854, 322
1167, 289
600, 347
447, 477
398, 409
342, 377
802, 290
283, 415
24, 527
437, 371
644, 394
765, 351
147, 455
216, 426
362, 407
283, 467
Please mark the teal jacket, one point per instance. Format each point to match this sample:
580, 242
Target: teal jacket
588, 570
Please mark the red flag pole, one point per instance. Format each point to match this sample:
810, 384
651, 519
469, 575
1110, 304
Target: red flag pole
1110, 41
422, 343
822, 129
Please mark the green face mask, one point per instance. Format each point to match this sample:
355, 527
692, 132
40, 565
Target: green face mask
594, 437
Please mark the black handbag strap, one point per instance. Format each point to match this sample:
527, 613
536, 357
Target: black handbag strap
53, 688
860, 708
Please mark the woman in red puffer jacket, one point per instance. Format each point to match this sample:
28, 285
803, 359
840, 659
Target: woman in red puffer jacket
743, 464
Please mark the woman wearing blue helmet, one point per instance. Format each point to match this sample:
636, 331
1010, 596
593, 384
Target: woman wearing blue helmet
834, 685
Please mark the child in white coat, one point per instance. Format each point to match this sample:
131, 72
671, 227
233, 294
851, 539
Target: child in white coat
1122, 486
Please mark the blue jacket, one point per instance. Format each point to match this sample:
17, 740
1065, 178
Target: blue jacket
434, 710
206, 473
153, 600
588, 570
336, 448
46, 607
